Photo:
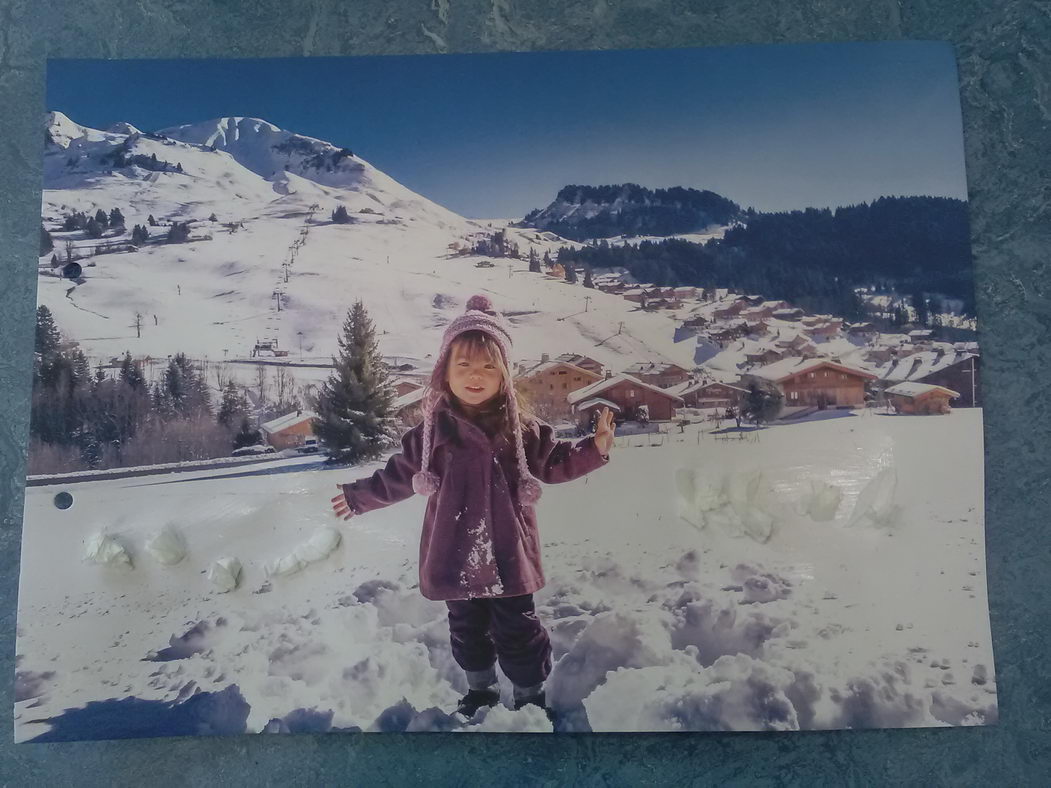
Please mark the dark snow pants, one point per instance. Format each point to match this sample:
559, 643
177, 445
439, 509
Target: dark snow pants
483, 630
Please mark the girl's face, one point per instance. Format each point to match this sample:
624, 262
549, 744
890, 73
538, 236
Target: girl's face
473, 379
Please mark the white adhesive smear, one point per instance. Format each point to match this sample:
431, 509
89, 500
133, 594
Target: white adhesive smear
822, 501
167, 546
224, 574
320, 545
875, 505
105, 550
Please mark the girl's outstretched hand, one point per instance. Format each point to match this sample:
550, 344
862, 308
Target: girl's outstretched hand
604, 429
340, 506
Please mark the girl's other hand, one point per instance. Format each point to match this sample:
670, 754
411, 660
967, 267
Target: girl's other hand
340, 506
604, 430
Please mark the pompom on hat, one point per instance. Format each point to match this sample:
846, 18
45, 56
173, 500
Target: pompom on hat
479, 316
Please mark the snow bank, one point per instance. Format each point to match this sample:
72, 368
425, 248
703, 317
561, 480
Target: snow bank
736, 693
500, 719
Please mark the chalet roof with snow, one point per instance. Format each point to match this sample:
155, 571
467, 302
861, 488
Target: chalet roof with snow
652, 368
599, 386
791, 367
407, 399
913, 390
576, 358
545, 366
690, 386
920, 365
590, 403
288, 420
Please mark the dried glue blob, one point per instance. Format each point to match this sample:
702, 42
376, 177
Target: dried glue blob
103, 549
224, 574
167, 546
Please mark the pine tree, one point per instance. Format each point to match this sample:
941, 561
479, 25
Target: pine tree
234, 407
588, 281
919, 303
571, 273
93, 228
47, 334
340, 215
131, 373
183, 389
54, 261
761, 403
247, 435
139, 235
101, 218
548, 262
534, 261
179, 232
47, 244
355, 419
116, 218
152, 221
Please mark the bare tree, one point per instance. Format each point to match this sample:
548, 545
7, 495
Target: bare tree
138, 325
262, 386
285, 391
222, 376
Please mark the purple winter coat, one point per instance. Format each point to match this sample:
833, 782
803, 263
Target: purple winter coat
478, 540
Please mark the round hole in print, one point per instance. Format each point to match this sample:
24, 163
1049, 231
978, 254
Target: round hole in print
64, 500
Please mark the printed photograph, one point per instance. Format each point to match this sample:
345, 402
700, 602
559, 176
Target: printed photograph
524, 392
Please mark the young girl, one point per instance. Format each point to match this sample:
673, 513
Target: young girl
479, 457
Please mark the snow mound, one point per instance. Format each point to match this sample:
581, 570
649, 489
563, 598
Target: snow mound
611, 640
320, 545
736, 693
224, 574
500, 719
105, 550
167, 546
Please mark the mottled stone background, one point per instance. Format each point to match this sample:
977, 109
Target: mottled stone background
1005, 80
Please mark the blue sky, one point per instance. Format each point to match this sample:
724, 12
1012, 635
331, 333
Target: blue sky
494, 135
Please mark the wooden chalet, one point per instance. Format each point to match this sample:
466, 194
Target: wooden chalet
290, 430
547, 385
817, 381
623, 394
920, 398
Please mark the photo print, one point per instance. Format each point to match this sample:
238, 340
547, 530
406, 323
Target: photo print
555, 392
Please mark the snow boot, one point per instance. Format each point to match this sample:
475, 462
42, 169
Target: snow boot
475, 699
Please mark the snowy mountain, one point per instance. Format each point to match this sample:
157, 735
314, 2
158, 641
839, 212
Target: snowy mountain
582, 212
266, 262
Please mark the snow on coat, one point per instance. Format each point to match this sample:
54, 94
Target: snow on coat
479, 539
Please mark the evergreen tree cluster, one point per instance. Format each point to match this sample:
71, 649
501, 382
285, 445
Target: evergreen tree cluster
496, 245
630, 210
119, 158
355, 420
79, 420
178, 233
340, 215
817, 257
96, 224
139, 235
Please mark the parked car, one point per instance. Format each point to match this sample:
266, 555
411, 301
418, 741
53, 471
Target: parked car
309, 446
259, 448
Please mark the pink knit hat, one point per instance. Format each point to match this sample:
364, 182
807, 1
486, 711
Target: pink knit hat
480, 316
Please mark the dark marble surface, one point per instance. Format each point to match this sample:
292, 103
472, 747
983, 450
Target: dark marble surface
1005, 77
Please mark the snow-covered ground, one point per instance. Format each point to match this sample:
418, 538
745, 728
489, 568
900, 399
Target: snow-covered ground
876, 617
